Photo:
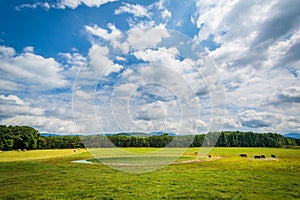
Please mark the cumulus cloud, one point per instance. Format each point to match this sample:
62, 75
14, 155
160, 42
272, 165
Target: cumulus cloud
12, 98
153, 113
33, 71
98, 56
136, 10
290, 96
166, 14
158, 93
63, 4
279, 23
257, 57
142, 38
243, 29
29, 49
292, 124
254, 119
12, 105
125, 89
259, 49
103, 33
44, 5
43, 123
156, 90
137, 37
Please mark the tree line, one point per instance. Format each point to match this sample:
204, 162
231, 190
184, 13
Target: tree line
24, 137
217, 139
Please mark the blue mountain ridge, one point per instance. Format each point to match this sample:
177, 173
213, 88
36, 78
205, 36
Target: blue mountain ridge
141, 134
137, 134
292, 135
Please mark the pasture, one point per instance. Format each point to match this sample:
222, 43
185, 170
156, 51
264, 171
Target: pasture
50, 174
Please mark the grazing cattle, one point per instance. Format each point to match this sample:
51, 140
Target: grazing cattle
196, 153
75, 150
209, 156
273, 156
243, 155
262, 156
256, 157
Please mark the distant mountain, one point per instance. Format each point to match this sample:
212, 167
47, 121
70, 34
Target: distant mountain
292, 135
140, 134
48, 134
135, 134
55, 134
162, 133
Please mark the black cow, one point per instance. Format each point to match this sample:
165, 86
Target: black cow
273, 156
243, 155
262, 156
209, 156
256, 157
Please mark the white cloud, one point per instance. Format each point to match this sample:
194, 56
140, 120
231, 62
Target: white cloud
12, 98
125, 89
158, 95
98, 56
292, 124
82, 94
32, 70
7, 52
258, 58
43, 124
138, 37
29, 49
142, 37
103, 33
136, 10
9, 85
166, 14
285, 96
44, 5
63, 4
254, 119
179, 23
74, 60
231, 123
12, 105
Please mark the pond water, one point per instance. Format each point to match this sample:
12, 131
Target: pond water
82, 161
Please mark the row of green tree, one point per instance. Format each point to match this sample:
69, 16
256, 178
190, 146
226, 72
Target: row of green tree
217, 139
24, 137
18, 137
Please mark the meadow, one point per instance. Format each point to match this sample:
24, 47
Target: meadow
50, 174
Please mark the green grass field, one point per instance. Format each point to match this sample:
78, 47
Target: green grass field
50, 174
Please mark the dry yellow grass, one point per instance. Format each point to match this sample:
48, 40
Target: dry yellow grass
37, 154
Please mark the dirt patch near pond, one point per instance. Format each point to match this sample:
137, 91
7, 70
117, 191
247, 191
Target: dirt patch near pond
198, 160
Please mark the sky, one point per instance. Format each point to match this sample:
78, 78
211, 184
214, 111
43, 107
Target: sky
186, 67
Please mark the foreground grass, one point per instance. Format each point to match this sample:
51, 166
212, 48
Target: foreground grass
229, 178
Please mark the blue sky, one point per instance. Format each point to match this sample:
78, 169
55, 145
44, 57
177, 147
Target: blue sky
93, 66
